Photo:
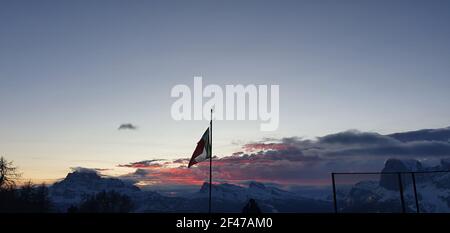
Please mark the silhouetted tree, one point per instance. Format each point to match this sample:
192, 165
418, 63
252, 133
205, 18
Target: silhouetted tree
27, 198
105, 202
42, 198
30, 198
35, 198
8, 200
8, 174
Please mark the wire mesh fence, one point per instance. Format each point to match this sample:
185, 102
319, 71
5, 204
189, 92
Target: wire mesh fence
392, 192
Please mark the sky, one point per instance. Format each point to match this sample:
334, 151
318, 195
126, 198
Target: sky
72, 72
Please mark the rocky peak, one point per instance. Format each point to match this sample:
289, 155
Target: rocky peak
404, 165
390, 181
82, 176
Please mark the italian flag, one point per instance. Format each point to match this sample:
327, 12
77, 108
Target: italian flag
203, 150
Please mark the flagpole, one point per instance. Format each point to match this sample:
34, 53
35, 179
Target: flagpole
210, 164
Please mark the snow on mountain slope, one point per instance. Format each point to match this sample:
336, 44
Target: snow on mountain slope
254, 190
78, 185
433, 190
270, 199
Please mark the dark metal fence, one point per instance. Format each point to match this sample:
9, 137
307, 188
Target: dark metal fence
402, 192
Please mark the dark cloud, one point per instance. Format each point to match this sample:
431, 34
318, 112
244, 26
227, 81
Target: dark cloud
144, 163
238, 153
127, 126
182, 161
419, 149
367, 144
442, 135
355, 137
141, 172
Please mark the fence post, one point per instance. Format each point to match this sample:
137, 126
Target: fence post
334, 193
413, 176
400, 184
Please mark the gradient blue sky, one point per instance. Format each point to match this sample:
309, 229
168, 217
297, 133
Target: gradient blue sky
72, 71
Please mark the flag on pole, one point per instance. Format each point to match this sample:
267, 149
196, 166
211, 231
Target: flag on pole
203, 150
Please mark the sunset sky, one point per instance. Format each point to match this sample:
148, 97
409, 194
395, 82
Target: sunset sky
71, 72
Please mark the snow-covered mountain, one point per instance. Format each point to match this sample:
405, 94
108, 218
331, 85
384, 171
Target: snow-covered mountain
379, 194
78, 185
270, 199
383, 195
226, 197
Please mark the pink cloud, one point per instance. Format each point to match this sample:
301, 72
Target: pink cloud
276, 166
264, 146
